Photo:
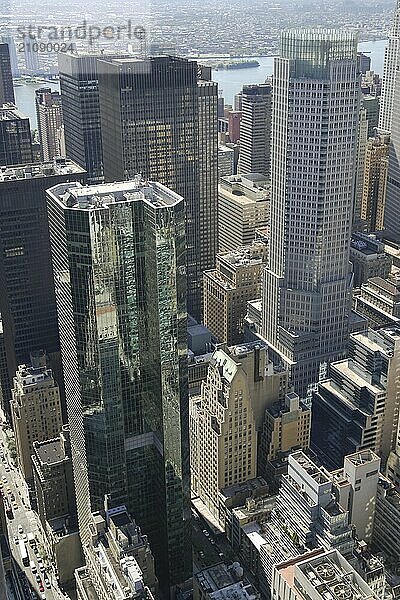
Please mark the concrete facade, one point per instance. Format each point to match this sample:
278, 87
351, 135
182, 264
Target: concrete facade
36, 411
226, 418
227, 289
243, 207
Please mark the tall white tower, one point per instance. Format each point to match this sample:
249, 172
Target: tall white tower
306, 292
390, 67
390, 122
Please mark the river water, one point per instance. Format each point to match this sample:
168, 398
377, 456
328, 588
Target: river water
230, 81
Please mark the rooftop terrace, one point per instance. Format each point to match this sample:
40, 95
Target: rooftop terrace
75, 196
60, 166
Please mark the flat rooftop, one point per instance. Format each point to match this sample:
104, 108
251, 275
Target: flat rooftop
215, 578
253, 254
363, 457
249, 487
301, 460
373, 341
324, 576
225, 149
245, 190
85, 585
236, 591
221, 582
382, 284
120, 519
278, 409
50, 452
28, 377
353, 372
8, 112
60, 166
331, 577
76, 196
333, 389
367, 244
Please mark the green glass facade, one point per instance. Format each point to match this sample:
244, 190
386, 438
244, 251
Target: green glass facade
159, 119
120, 270
314, 50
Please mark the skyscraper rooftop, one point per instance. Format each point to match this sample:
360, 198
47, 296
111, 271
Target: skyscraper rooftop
321, 576
101, 196
318, 45
60, 166
8, 112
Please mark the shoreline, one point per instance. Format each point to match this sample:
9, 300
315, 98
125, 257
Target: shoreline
255, 56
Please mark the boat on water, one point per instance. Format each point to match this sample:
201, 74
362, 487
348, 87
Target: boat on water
243, 64
233, 64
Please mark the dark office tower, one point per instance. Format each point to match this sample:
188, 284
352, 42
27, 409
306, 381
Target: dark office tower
371, 105
221, 106
255, 129
234, 118
27, 300
237, 101
6, 80
5, 384
204, 215
119, 264
159, 120
364, 62
81, 111
13, 55
307, 287
50, 123
15, 137
31, 55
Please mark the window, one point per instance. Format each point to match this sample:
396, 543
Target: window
372, 473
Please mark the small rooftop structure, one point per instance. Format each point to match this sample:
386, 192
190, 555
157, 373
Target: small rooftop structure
50, 451
76, 196
28, 378
9, 112
223, 582
323, 576
59, 166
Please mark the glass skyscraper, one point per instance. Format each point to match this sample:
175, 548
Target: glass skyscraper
27, 300
389, 121
79, 85
159, 119
15, 137
255, 129
119, 263
390, 67
307, 287
6, 80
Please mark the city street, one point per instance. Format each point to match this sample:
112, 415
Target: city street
25, 521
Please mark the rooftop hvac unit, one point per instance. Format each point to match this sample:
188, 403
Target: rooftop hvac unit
342, 591
325, 571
